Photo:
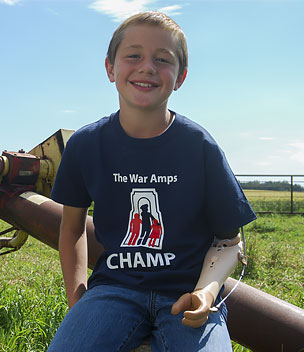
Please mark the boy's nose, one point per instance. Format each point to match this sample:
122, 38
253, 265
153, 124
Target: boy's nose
147, 66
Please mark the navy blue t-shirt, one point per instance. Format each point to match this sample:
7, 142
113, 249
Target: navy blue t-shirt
158, 202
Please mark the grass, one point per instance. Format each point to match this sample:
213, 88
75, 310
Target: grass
32, 296
275, 201
275, 247
276, 256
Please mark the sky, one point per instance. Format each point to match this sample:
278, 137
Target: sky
245, 82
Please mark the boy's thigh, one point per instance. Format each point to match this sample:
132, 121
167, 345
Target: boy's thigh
172, 335
107, 318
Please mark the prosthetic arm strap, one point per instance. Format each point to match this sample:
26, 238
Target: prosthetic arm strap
219, 263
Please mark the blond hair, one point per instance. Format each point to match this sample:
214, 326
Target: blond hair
152, 18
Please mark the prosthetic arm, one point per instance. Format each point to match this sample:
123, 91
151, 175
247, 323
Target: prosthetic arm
219, 263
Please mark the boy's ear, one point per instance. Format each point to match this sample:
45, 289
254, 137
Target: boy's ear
110, 70
180, 79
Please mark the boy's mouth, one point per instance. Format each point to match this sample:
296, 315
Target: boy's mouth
144, 84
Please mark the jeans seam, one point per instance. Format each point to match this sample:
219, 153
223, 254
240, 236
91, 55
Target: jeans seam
162, 337
131, 334
158, 326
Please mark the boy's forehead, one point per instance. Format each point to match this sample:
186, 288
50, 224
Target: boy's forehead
136, 36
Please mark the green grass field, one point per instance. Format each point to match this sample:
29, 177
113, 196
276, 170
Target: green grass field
272, 195
32, 297
275, 201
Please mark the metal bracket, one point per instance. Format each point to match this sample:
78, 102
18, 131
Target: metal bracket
16, 242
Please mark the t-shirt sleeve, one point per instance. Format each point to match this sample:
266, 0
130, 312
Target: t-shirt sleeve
226, 205
69, 186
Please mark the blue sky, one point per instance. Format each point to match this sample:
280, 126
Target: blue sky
245, 82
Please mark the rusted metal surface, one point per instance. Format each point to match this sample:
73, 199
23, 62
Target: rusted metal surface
50, 152
256, 320
41, 221
23, 168
263, 322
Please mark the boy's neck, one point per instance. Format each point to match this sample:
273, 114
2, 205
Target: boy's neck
143, 124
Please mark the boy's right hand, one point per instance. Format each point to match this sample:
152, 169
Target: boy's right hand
196, 307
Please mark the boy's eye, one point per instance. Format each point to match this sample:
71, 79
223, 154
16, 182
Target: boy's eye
161, 59
133, 56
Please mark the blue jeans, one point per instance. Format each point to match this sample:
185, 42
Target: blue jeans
114, 318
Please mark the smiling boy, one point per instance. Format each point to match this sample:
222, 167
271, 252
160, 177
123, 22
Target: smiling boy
123, 163
145, 70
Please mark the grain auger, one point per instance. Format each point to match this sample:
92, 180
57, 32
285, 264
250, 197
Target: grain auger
22, 172
256, 319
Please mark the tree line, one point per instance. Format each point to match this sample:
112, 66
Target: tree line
271, 186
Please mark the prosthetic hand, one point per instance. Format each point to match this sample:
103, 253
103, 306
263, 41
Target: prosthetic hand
219, 263
196, 307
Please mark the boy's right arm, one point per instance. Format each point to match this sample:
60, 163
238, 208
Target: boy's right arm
73, 252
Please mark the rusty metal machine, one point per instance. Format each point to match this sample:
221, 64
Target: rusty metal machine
26, 181
256, 320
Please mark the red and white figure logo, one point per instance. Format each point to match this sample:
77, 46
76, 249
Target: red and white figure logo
145, 227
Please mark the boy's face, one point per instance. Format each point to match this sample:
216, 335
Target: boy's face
146, 68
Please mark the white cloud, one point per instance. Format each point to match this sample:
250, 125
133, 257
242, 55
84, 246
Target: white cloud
9, 2
266, 138
298, 155
171, 10
299, 145
284, 151
121, 9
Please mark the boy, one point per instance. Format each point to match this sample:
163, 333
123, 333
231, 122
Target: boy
152, 174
